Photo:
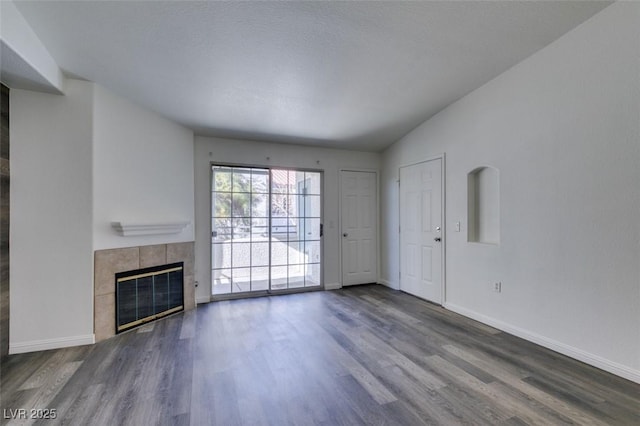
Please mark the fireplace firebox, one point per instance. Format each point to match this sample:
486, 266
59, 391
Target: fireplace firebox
147, 294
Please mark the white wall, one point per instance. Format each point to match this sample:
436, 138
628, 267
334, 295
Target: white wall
226, 151
51, 206
563, 128
142, 172
79, 162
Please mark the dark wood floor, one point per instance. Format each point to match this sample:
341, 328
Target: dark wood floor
365, 355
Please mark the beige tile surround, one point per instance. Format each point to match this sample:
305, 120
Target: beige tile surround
108, 262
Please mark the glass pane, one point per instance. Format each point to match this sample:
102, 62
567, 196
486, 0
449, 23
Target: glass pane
260, 181
145, 297
311, 229
221, 256
280, 228
241, 279
259, 229
304, 209
292, 185
279, 252
221, 281
293, 206
127, 311
260, 254
301, 229
312, 183
260, 205
296, 276
241, 180
241, 205
279, 179
221, 204
312, 251
296, 182
240, 255
176, 289
293, 229
160, 293
312, 206
280, 205
221, 179
278, 277
241, 229
222, 229
260, 278
312, 275
296, 253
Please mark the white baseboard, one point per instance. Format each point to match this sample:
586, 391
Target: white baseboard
332, 286
46, 344
389, 284
579, 354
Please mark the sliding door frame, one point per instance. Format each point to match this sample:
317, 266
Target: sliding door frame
270, 291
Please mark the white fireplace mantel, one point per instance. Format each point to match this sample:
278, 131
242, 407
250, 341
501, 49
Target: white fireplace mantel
128, 229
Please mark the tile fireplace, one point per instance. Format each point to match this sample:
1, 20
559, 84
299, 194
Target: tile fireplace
108, 263
144, 295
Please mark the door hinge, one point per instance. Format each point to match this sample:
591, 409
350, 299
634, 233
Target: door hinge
321, 229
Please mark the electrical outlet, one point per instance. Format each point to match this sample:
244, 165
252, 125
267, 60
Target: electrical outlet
497, 287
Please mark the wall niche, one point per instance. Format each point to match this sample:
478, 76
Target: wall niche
483, 209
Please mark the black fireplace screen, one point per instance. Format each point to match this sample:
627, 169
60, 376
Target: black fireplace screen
147, 294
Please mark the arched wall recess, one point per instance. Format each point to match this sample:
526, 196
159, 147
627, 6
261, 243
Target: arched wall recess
483, 205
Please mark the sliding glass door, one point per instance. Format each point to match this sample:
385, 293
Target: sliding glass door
266, 229
240, 240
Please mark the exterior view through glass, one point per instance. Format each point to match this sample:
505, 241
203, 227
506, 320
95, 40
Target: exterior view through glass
265, 229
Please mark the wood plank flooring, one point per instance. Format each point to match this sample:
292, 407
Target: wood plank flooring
358, 356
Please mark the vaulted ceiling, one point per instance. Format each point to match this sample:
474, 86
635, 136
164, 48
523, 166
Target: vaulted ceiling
356, 75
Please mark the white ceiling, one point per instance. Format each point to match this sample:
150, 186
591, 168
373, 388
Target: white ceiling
356, 75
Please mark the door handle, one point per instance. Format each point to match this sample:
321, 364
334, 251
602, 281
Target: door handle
345, 235
437, 239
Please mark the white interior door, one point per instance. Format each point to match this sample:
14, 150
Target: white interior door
359, 227
421, 230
